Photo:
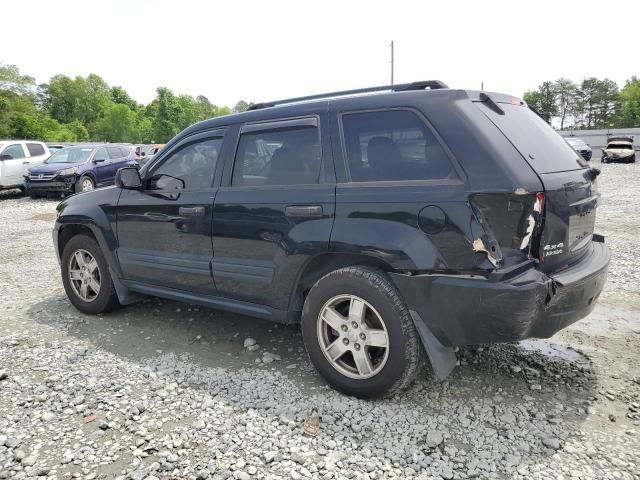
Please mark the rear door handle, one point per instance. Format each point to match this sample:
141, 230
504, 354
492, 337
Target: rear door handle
191, 211
303, 211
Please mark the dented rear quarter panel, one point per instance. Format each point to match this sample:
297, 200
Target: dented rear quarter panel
381, 219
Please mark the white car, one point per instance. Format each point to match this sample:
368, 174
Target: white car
16, 158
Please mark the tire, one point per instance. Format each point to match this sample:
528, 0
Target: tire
83, 183
105, 299
392, 368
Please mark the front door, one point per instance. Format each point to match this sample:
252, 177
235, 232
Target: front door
102, 165
275, 211
13, 156
164, 229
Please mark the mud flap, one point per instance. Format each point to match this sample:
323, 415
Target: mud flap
443, 359
125, 296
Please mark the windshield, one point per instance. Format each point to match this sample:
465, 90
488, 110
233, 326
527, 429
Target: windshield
619, 146
70, 155
576, 142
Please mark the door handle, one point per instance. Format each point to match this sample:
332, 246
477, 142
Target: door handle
191, 211
303, 211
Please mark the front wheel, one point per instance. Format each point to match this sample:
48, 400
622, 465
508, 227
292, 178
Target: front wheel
86, 277
85, 184
359, 333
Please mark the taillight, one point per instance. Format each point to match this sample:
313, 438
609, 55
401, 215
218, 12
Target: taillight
512, 222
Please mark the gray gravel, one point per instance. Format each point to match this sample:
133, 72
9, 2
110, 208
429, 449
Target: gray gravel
165, 390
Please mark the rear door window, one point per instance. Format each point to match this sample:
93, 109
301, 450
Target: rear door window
278, 156
114, 152
35, 149
539, 144
393, 145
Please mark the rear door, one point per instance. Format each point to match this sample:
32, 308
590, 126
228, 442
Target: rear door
164, 229
275, 210
571, 199
37, 154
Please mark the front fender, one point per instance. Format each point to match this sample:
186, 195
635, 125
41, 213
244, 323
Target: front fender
95, 211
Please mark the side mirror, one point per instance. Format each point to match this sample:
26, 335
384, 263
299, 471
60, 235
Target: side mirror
6, 156
99, 160
129, 178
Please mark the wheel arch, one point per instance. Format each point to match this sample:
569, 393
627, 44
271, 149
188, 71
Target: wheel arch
320, 265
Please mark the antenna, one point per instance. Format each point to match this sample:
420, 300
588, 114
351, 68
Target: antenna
392, 62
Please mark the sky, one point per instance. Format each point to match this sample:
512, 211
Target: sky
269, 49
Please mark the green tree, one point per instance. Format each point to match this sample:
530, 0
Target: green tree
11, 80
120, 95
566, 94
81, 98
629, 110
78, 130
166, 115
118, 124
241, 106
543, 101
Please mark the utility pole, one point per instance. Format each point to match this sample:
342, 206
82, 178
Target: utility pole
391, 62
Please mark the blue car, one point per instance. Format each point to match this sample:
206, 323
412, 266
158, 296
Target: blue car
79, 168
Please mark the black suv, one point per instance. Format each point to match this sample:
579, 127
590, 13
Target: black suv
415, 216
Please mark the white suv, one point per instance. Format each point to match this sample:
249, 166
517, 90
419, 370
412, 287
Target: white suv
16, 158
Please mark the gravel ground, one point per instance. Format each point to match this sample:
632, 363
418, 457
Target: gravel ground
167, 390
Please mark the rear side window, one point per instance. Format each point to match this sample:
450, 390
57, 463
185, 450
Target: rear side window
393, 145
35, 149
539, 144
287, 156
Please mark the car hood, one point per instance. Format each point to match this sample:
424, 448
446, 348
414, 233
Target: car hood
53, 167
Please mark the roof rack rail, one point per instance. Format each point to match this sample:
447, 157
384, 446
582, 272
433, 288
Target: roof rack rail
401, 87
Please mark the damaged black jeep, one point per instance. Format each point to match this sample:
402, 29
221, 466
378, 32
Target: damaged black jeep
411, 218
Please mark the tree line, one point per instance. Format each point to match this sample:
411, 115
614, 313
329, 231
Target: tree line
88, 109
592, 103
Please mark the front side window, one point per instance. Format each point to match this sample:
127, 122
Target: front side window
14, 151
393, 145
101, 154
287, 156
189, 168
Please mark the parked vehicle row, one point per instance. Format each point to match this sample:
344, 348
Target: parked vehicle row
415, 216
78, 169
16, 158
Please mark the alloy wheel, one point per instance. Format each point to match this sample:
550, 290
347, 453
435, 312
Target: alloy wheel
84, 275
353, 336
87, 184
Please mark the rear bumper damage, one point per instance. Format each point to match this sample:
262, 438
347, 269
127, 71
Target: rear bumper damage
506, 308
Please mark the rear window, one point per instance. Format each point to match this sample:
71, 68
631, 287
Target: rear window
620, 146
541, 146
35, 149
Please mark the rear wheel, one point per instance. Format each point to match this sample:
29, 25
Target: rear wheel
359, 333
86, 277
